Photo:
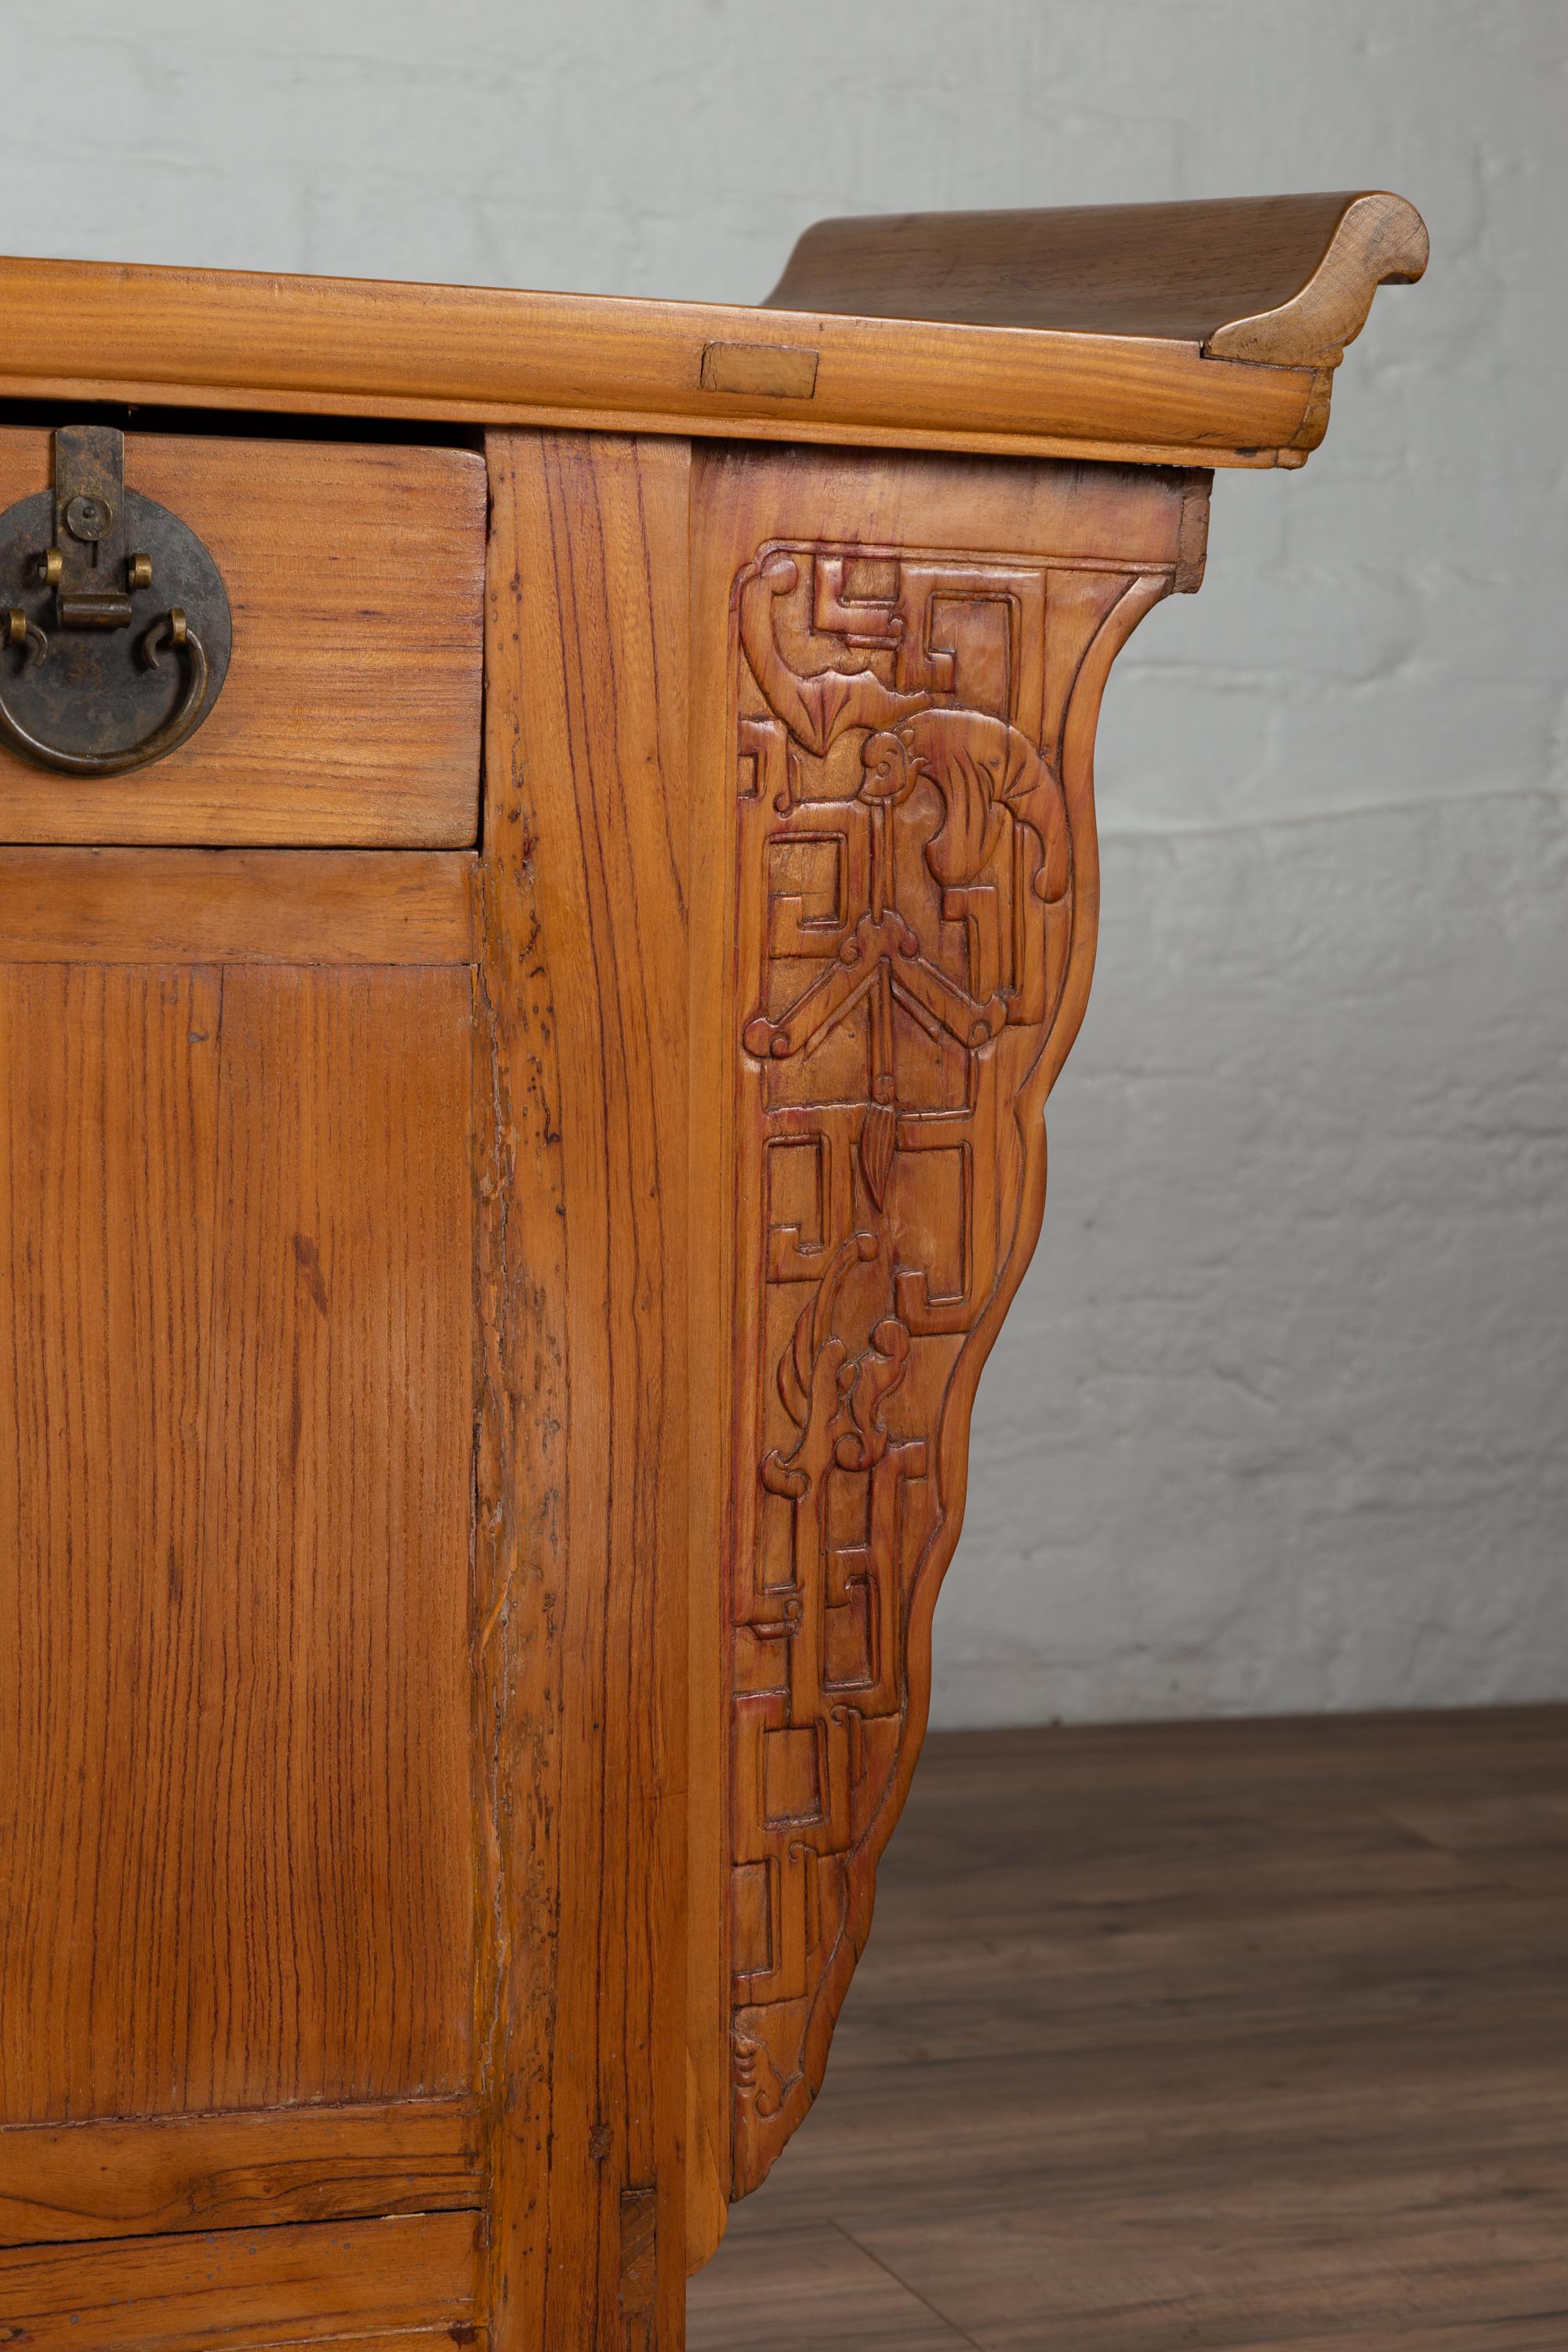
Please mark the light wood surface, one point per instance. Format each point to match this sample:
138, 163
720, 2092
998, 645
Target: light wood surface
236, 906
909, 655
582, 1528
773, 422
212, 339
494, 1320
234, 1465
1230, 2035
1285, 280
340, 2281
209, 2172
351, 710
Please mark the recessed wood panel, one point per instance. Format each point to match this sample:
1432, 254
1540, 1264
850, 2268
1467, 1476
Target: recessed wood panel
61, 2181
354, 2283
351, 710
234, 1438
236, 906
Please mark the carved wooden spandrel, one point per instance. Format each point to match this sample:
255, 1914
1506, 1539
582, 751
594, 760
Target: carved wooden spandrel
917, 892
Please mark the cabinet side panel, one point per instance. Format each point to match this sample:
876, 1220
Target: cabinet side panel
582, 1502
234, 1501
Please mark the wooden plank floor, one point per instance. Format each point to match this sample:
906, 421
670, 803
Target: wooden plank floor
1206, 2038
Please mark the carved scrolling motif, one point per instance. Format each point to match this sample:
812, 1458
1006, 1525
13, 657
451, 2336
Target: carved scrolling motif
917, 892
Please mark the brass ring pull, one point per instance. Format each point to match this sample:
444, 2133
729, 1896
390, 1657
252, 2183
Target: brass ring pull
173, 630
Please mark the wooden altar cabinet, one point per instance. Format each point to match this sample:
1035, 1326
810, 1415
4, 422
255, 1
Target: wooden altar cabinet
549, 869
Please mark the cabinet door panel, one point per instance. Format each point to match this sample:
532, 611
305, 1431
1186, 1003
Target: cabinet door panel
235, 1469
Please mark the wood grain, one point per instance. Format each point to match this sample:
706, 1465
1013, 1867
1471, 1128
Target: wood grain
243, 2287
1241, 2035
235, 1238
771, 369
351, 712
213, 2172
909, 655
318, 1822
1001, 440
236, 906
1380, 240
582, 1522
1285, 280
1097, 348
217, 340
793, 2286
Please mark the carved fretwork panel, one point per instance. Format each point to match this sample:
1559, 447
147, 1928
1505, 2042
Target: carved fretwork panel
917, 891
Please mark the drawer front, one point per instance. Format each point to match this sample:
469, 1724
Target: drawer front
350, 713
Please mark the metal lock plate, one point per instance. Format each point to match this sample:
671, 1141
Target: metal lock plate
115, 630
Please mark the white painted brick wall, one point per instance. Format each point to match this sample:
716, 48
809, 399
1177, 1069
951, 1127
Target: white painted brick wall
1280, 1418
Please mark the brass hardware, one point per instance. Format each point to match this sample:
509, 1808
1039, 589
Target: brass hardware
20, 631
84, 698
88, 519
93, 610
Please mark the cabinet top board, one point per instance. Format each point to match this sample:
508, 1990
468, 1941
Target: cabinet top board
1201, 333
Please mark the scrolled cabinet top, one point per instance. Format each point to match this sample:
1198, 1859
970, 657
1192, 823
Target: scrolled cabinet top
1286, 280
1198, 333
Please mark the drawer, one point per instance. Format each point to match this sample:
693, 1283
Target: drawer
350, 710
